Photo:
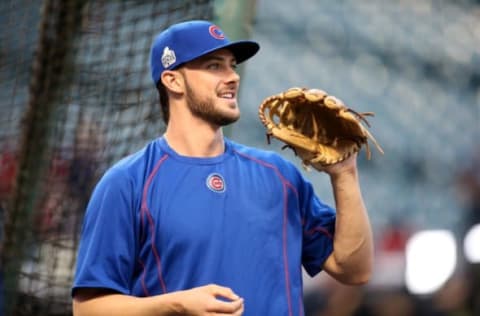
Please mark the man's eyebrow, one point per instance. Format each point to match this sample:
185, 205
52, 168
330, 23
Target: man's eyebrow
216, 58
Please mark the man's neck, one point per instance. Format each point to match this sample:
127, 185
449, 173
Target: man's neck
200, 141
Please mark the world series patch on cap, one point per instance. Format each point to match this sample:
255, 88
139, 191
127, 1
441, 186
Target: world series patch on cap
186, 41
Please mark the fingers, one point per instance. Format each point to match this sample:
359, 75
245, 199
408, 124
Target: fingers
227, 302
229, 308
221, 291
239, 313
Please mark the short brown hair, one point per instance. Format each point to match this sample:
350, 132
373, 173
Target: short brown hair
164, 105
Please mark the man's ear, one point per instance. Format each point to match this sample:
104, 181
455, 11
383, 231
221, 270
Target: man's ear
172, 80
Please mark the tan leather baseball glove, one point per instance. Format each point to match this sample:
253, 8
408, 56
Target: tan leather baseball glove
319, 128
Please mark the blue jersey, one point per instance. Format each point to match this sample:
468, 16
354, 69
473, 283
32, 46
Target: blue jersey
159, 222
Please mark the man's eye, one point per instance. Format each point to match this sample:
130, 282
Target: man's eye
213, 66
234, 66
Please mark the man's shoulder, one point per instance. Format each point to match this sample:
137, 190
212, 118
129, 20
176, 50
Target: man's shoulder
136, 163
263, 155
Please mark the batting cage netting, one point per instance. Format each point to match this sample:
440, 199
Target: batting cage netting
75, 96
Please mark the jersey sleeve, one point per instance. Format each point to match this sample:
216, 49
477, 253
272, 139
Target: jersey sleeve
108, 246
318, 230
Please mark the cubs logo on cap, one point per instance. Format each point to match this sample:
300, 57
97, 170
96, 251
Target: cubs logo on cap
186, 41
216, 32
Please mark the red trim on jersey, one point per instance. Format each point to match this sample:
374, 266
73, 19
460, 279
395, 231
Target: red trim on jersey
145, 211
266, 164
144, 286
285, 256
320, 230
286, 184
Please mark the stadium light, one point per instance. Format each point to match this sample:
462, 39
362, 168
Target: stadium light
431, 257
471, 244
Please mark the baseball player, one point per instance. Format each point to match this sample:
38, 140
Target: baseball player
196, 224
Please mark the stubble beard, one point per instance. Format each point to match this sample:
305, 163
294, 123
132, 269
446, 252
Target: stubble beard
205, 109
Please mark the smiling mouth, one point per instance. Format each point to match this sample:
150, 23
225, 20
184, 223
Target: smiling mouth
227, 95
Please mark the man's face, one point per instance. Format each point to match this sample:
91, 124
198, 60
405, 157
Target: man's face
211, 87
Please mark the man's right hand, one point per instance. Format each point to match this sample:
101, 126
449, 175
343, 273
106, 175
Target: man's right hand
210, 300
204, 300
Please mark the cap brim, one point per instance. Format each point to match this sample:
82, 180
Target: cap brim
243, 50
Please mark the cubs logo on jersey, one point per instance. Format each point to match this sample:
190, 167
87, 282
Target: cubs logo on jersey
216, 183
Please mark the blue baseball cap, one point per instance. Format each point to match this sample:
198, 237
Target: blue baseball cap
186, 41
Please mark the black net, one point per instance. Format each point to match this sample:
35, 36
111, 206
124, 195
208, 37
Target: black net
76, 95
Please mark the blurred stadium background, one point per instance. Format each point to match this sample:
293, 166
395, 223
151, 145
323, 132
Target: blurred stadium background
76, 95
